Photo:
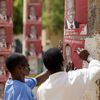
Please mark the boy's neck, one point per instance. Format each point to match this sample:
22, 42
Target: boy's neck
18, 78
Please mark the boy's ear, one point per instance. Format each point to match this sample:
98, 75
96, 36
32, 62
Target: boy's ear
18, 68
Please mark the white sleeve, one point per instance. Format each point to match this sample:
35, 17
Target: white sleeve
94, 70
94, 63
88, 74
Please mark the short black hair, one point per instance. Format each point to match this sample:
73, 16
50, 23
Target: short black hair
53, 59
13, 60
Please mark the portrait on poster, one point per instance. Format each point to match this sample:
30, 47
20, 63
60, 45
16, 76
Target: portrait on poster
6, 36
33, 31
70, 51
5, 11
32, 13
72, 25
2, 64
34, 47
3, 41
31, 50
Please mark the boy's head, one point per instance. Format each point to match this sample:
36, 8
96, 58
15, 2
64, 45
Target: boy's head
53, 60
17, 63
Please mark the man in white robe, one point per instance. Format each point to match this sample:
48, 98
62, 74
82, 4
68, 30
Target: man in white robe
81, 84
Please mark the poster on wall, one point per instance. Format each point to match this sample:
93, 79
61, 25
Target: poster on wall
34, 45
70, 51
32, 30
34, 12
6, 12
5, 37
75, 17
31, 50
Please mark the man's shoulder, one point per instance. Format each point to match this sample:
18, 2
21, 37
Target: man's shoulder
44, 85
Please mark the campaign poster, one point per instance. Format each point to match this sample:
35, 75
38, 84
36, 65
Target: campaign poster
33, 30
31, 49
70, 51
6, 11
34, 12
34, 45
75, 17
5, 37
32, 16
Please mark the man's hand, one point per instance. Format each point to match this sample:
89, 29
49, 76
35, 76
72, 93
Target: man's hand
83, 54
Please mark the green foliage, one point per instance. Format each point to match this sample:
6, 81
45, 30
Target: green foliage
55, 21
17, 14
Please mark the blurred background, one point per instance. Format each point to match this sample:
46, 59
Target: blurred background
52, 21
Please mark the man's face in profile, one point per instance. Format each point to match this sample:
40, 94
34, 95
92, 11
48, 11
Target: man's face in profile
70, 14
